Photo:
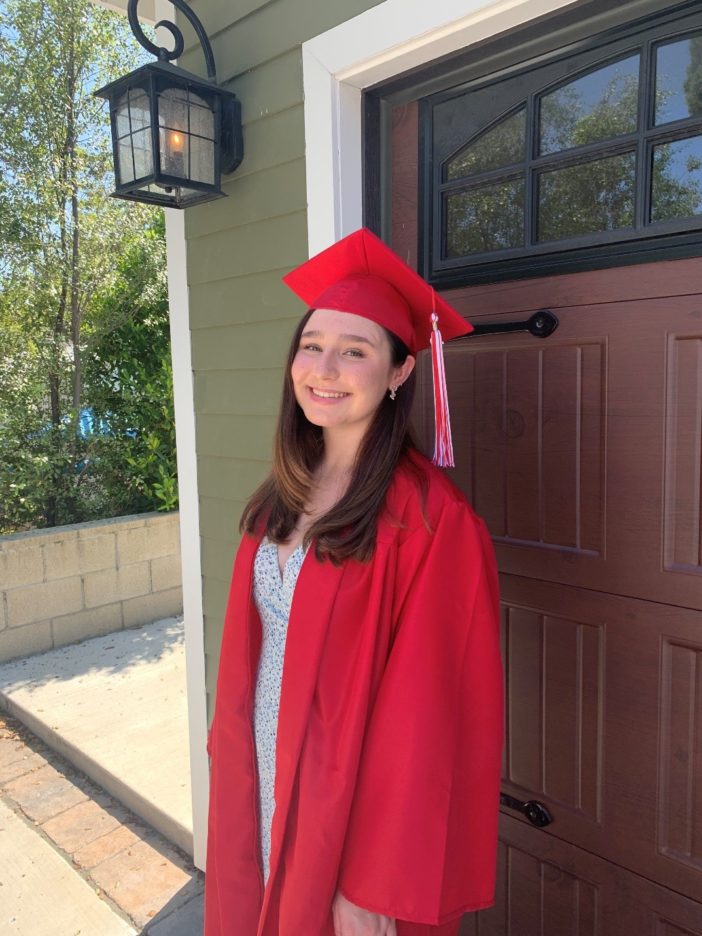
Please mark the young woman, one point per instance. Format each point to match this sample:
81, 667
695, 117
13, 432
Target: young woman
358, 723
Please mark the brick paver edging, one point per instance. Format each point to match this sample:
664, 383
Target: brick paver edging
136, 871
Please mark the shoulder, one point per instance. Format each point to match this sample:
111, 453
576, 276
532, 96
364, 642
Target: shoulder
441, 547
416, 475
422, 496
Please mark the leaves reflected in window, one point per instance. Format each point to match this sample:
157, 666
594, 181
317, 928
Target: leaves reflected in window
588, 198
489, 217
677, 180
679, 80
503, 145
598, 106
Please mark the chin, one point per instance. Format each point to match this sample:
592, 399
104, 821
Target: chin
317, 419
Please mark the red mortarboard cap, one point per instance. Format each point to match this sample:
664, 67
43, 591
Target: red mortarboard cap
361, 274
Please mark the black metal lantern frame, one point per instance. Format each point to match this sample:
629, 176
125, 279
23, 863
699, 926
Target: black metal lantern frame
173, 134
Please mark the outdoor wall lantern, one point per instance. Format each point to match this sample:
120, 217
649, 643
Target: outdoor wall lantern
173, 134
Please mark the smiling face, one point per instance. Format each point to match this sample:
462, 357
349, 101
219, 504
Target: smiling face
342, 370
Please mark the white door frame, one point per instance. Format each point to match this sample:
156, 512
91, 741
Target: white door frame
376, 45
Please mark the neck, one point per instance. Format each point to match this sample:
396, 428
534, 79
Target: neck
340, 451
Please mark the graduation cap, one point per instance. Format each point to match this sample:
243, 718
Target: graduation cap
362, 275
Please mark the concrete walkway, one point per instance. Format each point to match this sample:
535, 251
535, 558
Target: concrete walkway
73, 859
116, 708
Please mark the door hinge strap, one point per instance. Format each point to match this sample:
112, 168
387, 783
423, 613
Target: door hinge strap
536, 812
541, 325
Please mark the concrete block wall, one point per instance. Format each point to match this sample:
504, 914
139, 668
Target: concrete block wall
64, 584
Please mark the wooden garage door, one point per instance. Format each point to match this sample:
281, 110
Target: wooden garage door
583, 452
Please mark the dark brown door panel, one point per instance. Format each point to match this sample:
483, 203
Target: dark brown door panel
604, 724
583, 451
551, 888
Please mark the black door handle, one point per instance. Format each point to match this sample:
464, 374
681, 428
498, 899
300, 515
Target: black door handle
536, 812
540, 325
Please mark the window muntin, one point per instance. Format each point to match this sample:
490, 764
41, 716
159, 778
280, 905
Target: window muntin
611, 155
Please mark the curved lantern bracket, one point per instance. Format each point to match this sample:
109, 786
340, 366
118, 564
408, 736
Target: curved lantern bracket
168, 55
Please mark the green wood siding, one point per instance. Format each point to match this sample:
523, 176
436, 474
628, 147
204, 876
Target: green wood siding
241, 315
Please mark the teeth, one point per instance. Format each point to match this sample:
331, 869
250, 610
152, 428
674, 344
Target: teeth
328, 394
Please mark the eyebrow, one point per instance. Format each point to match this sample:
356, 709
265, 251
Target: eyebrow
355, 338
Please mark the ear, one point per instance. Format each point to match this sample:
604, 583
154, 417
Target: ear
404, 370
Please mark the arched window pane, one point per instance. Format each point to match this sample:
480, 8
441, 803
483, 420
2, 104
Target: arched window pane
504, 145
679, 80
488, 217
677, 180
599, 106
588, 198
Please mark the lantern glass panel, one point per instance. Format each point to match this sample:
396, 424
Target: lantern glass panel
125, 168
175, 153
187, 131
139, 109
122, 117
143, 159
202, 122
202, 160
173, 109
133, 122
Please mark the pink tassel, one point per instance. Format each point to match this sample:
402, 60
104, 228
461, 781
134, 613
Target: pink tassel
443, 444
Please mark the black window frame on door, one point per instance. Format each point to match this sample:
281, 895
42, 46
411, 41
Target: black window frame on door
450, 119
530, 86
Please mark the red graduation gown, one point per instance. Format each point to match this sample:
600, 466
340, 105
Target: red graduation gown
389, 733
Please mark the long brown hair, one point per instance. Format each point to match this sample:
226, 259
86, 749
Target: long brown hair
349, 528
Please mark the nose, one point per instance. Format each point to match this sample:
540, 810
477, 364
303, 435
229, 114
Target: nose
327, 367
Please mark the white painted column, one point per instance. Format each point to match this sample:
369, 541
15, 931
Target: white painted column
184, 403
188, 498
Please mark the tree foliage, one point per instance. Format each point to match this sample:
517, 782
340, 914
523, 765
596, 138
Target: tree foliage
128, 376
67, 252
